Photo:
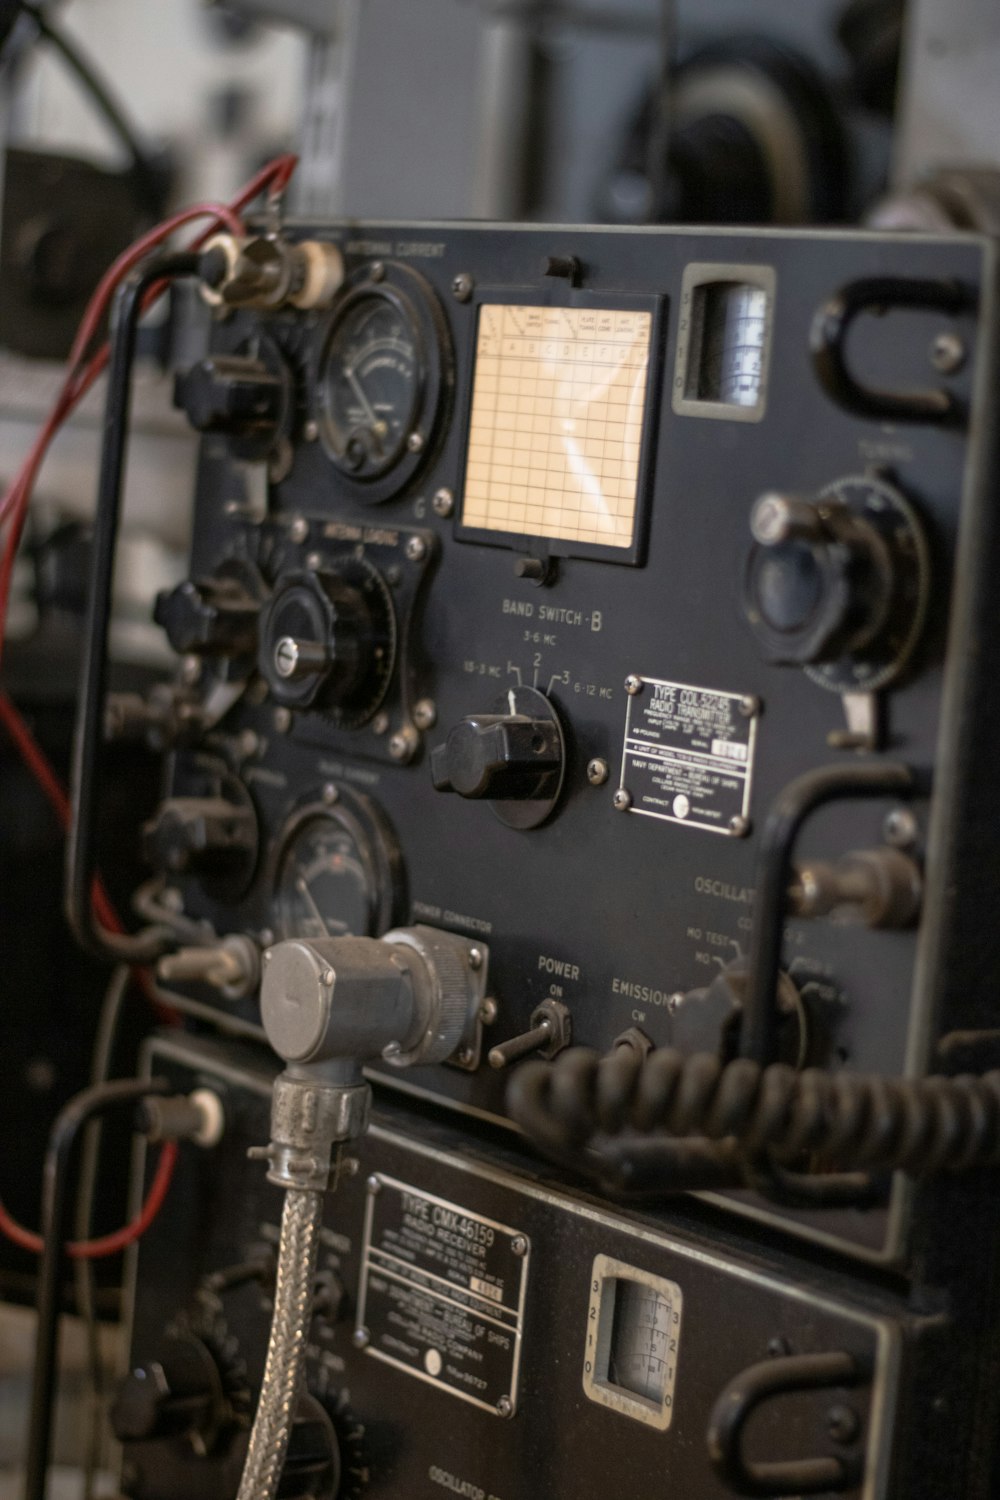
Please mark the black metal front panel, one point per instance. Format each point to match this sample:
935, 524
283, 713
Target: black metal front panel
611, 911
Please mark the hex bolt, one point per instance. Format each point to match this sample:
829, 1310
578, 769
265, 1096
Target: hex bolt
633, 684
415, 549
373, 1184
519, 1245
298, 531
461, 287
505, 1407
622, 800
843, 1423
443, 503
415, 442
425, 713
597, 771
947, 353
361, 1338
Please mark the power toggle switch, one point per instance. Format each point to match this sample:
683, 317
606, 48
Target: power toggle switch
513, 758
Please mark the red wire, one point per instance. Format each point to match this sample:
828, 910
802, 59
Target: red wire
80, 378
107, 1244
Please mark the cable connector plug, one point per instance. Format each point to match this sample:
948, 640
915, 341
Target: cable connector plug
266, 271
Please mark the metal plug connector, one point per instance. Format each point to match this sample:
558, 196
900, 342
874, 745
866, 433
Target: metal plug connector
265, 271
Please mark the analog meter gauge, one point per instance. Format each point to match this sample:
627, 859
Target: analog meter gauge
336, 870
383, 370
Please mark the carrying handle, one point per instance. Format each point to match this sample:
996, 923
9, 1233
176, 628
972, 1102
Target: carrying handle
828, 339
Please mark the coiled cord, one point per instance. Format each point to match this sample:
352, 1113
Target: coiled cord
838, 1120
297, 1255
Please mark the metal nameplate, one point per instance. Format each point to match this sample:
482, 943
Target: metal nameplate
688, 755
442, 1294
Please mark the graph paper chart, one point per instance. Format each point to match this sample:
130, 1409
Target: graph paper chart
555, 434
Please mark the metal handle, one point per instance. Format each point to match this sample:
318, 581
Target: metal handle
753, 1388
828, 339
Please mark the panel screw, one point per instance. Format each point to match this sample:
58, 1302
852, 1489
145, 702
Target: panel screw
310, 430
376, 271
674, 1000
739, 827
475, 958
380, 723
282, 720
947, 353
415, 442
425, 713
268, 955
749, 705
633, 684
265, 937
374, 1184
597, 771
622, 800
900, 828
519, 1245
778, 1346
314, 561
402, 745
361, 1338
330, 794
842, 1423
391, 1050
443, 503
299, 529
191, 670
328, 977
415, 549
466, 1056
505, 1407
249, 742
488, 1011
461, 287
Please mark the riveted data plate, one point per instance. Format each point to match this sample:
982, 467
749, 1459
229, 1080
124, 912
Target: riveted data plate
688, 755
442, 1294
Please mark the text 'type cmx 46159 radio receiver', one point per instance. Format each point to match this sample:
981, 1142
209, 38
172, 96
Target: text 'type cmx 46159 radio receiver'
586, 719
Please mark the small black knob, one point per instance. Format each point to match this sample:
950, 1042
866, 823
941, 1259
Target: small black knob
209, 617
313, 1461
819, 580
201, 835
233, 394
503, 757
317, 637
170, 1396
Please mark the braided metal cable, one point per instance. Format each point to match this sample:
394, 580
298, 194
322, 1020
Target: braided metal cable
297, 1256
846, 1120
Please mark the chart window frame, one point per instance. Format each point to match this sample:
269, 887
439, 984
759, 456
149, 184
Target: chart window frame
607, 1272
697, 277
541, 544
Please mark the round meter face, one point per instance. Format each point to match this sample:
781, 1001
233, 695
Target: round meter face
370, 385
324, 885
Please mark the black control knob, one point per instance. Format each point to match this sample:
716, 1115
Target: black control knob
513, 758
202, 836
214, 616
838, 584
177, 1394
233, 394
313, 1461
318, 638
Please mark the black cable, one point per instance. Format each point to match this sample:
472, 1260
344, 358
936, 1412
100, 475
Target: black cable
81, 843
915, 1125
147, 174
57, 1206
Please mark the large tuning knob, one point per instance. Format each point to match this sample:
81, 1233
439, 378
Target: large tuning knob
838, 584
513, 758
208, 836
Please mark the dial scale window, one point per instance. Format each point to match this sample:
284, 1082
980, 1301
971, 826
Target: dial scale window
556, 429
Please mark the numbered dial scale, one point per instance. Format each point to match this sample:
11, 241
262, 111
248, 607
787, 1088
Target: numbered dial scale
336, 870
383, 376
